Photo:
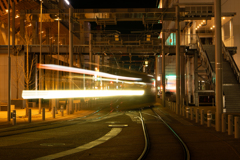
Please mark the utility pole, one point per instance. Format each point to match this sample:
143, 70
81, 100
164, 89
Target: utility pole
218, 64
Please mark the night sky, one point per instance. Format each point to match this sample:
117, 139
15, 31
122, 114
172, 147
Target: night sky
114, 3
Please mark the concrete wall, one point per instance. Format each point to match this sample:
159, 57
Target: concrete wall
4, 81
233, 6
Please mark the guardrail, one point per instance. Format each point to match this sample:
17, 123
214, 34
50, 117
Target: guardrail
204, 55
232, 62
230, 125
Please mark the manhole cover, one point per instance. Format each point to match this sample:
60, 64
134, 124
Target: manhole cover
118, 125
52, 144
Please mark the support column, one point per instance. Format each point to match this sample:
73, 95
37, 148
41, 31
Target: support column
218, 64
40, 60
35, 29
163, 67
189, 80
22, 28
189, 35
90, 51
156, 75
182, 97
13, 25
196, 79
231, 32
70, 56
82, 32
9, 69
194, 32
177, 60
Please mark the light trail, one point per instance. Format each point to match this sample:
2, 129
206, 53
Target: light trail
84, 71
53, 94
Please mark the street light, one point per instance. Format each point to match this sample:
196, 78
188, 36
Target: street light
58, 19
40, 57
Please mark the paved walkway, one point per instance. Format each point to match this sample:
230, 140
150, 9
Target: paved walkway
36, 117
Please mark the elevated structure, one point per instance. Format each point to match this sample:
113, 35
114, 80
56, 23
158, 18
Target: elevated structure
108, 50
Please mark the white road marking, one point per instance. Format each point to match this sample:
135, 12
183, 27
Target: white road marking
114, 132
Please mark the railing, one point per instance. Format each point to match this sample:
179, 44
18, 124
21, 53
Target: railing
232, 62
229, 123
205, 56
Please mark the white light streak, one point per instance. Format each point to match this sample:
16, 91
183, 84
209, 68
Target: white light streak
52, 94
84, 71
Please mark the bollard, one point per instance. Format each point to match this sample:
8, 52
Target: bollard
67, 109
192, 110
62, 110
76, 107
187, 112
197, 115
43, 114
53, 112
209, 118
236, 127
29, 115
230, 124
224, 122
202, 117
13, 114
183, 111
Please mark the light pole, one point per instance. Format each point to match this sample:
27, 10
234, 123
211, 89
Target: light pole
40, 57
9, 67
58, 19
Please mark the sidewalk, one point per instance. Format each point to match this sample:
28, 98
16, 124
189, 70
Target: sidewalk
36, 117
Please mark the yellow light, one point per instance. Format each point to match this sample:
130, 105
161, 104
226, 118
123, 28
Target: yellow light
204, 21
213, 26
52, 94
17, 16
223, 17
197, 26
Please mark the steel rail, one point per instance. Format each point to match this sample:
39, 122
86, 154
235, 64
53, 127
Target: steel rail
146, 138
186, 151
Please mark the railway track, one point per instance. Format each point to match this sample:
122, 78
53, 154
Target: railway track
152, 124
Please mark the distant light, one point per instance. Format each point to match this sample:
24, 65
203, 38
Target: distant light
57, 19
52, 94
223, 17
17, 16
158, 78
67, 2
213, 26
171, 77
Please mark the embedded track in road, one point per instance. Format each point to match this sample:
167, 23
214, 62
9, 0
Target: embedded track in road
154, 126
